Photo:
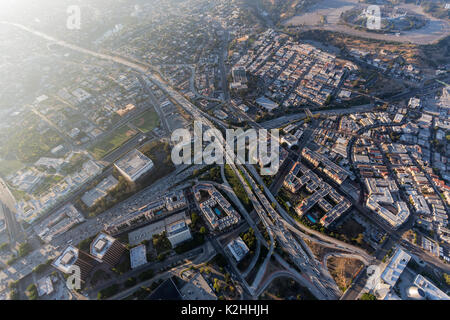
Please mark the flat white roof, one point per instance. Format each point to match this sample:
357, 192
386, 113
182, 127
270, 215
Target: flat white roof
395, 267
134, 164
238, 248
100, 245
66, 259
138, 256
431, 291
266, 103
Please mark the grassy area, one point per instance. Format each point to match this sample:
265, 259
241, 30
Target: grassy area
75, 164
8, 167
160, 153
112, 142
46, 184
238, 188
30, 142
147, 121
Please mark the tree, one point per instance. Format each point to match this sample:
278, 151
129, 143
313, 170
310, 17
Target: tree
4, 246
24, 249
130, 282
447, 278
32, 292
360, 238
368, 296
202, 230
194, 218
216, 285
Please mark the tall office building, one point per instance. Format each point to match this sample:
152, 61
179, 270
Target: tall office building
72, 256
107, 249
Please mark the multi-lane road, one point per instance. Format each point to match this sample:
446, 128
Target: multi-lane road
7, 210
323, 286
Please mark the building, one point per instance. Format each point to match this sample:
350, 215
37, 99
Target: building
146, 233
73, 257
166, 291
58, 223
430, 291
290, 140
329, 200
238, 248
216, 210
138, 256
266, 103
395, 267
44, 286
155, 210
328, 167
134, 165
100, 191
381, 201
107, 249
196, 287
178, 232
239, 74
28, 180
239, 79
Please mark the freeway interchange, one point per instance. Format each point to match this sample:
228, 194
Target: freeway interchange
280, 226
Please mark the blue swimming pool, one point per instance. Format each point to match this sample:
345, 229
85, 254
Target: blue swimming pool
311, 219
217, 211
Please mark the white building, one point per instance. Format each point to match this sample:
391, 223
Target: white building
395, 267
381, 201
138, 256
431, 291
134, 165
238, 248
178, 232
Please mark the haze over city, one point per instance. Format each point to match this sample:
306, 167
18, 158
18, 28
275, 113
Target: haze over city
112, 113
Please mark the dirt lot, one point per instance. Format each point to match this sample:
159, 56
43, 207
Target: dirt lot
318, 250
343, 270
286, 288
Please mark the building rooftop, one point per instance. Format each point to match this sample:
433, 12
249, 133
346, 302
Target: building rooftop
238, 248
67, 259
134, 164
431, 291
100, 245
138, 256
395, 267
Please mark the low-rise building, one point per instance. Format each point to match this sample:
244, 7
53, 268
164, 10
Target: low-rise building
238, 248
134, 165
395, 267
138, 256
178, 232
431, 291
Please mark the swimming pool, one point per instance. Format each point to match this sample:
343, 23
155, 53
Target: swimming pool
217, 211
311, 219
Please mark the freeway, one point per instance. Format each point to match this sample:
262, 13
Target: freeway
7, 210
281, 121
154, 102
325, 287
